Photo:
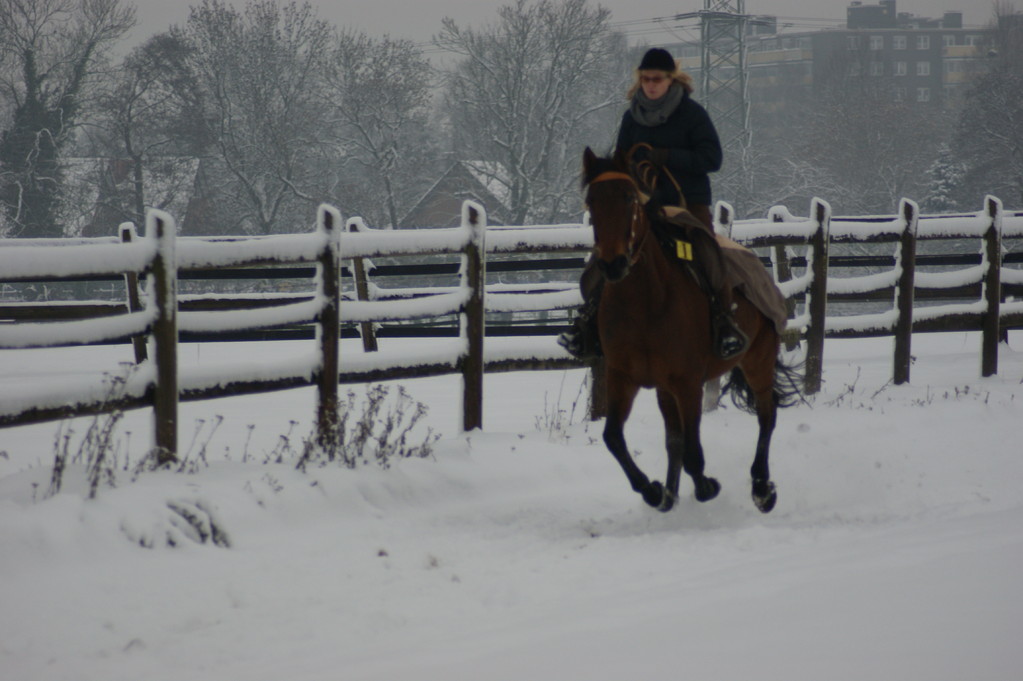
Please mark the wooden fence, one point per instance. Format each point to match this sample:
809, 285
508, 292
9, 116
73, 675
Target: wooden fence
156, 383
988, 282
163, 318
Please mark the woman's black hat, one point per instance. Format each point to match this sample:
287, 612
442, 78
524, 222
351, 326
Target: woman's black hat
657, 59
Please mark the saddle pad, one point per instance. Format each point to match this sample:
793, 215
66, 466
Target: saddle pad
749, 276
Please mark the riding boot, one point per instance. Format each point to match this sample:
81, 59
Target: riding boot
582, 339
727, 339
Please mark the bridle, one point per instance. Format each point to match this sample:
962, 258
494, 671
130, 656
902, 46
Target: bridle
633, 249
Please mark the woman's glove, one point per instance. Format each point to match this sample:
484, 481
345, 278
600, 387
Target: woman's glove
659, 157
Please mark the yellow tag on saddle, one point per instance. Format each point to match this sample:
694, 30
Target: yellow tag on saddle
683, 250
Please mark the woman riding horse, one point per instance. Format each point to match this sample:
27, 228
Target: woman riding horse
670, 136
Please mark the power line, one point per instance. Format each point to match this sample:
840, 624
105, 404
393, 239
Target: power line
681, 30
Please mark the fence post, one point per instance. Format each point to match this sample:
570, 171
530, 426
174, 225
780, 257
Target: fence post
783, 273
163, 285
472, 321
723, 219
991, 320
131, 287
329, 329
905, 291
598, 389
820, 211
366, 330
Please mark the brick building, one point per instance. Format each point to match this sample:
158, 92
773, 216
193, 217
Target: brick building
925, 61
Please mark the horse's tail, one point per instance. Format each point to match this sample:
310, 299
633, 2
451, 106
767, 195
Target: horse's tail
788, 387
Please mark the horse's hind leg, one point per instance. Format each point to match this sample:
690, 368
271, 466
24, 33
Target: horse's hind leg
765, 496
620, 396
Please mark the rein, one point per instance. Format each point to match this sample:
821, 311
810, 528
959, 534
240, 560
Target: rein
634, 250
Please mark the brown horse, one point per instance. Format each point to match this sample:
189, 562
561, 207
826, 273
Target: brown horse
654, 324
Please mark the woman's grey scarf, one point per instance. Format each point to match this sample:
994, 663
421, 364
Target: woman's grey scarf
654, 112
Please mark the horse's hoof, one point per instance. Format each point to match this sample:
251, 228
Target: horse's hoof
765, 496
655, 495
707, 489
668, 499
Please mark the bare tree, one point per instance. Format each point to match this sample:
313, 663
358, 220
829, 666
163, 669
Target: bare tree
529, 92
261, 76
777, 176
149, 115
380, 96
49, 50
869, 144
989, 134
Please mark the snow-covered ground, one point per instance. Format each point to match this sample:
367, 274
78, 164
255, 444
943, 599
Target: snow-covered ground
521, 553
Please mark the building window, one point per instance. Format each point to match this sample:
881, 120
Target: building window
954, 66
855, 69
852, 42
923, 42
900, 94
948, 40
974, 40
899, 68
898, 42
877, 42
923, 94
923, 68
877, 68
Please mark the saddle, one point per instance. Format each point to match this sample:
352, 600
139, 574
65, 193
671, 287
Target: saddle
676, 229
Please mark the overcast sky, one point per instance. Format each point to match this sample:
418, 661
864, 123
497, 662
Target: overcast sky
420, 19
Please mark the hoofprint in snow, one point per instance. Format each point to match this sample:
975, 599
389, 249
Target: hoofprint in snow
520, 552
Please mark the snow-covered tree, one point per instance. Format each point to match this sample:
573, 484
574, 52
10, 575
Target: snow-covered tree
260, 71
49, 52
989, 135
149, 115
380, 93
945, 176
872, 145
528, 93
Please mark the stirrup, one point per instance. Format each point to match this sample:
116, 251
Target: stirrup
729, 341
581, 340
571, 341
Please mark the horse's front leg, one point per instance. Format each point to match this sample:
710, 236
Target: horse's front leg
685, 449
620, 396
675, 445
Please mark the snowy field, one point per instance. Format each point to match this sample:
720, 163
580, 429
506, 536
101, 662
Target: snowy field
520, 552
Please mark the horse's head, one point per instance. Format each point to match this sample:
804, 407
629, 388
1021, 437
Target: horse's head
616, 212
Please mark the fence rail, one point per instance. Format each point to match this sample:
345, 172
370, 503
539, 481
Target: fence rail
163, 315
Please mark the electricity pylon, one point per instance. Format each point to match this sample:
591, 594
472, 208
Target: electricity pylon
724, 84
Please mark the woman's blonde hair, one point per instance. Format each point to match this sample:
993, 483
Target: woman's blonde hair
679, 76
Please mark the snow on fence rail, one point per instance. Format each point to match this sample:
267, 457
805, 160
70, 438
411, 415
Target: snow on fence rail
158, 382
818, 232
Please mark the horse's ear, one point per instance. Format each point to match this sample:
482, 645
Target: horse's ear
620, 160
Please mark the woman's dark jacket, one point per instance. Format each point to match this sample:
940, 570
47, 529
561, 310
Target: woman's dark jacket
693, 148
